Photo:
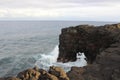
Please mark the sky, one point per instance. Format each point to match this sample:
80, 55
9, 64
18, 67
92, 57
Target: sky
83, 10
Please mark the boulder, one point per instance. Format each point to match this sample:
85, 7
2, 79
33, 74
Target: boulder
47, 76
29, 74
58, 72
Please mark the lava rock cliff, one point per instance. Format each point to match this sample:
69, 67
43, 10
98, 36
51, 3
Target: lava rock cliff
101, 46
90, 40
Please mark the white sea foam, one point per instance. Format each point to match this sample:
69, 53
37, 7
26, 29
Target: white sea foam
48, 60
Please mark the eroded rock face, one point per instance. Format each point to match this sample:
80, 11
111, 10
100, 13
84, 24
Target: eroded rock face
100, 43
91, 40
106, 66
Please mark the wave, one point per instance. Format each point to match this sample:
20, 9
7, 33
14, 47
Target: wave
47, 60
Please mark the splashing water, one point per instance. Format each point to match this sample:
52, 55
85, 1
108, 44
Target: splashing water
48, 60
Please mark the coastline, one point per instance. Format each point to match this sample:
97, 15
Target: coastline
102, 51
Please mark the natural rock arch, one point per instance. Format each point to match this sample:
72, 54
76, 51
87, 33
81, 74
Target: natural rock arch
91, 40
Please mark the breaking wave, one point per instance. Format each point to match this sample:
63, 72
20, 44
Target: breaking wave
47, 60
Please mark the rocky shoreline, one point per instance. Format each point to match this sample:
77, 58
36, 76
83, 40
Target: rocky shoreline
101, 46
54, 73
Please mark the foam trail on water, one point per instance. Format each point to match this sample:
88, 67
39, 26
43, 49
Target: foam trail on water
48, 60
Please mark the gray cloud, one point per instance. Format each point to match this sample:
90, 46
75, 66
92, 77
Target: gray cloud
53, 3
91, 1
61, 9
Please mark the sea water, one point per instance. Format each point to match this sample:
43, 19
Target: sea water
24, 44
51, 60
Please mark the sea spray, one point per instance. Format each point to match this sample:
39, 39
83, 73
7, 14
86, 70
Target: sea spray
48, 60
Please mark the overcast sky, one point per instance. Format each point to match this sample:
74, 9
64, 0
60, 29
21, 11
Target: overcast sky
84, 10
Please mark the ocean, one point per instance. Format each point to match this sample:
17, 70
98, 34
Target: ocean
25, 44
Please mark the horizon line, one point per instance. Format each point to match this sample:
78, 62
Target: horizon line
55, 20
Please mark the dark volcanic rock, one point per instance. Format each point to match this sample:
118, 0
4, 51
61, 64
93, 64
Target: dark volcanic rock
101, 46
91, 40
106, 66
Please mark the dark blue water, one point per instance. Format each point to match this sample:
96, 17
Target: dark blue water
23, 42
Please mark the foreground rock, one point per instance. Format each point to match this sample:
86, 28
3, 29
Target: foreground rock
101, 46
55, 73
29, 74
59, 72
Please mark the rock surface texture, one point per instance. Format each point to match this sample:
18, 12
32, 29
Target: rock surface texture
101, 46
91, 40
55, 73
